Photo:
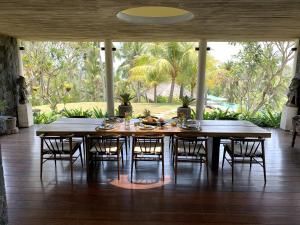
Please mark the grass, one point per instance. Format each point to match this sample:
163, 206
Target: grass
164, 110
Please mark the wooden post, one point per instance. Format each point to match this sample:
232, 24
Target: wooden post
109, 78
201, 80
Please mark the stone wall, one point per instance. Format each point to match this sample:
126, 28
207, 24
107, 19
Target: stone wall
9, 71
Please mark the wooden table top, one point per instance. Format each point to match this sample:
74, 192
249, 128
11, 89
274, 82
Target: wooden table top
211, 128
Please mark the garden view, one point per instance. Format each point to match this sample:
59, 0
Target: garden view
68, 79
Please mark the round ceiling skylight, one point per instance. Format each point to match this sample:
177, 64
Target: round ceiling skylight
155, 15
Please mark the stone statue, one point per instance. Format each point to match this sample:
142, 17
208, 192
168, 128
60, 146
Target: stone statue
293, 93
22, 90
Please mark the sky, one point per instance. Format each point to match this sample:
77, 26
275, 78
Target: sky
222, 51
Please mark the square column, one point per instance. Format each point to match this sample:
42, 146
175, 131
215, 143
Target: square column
201, 79
109, 78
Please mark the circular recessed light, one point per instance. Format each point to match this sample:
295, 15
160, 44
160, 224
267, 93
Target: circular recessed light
155, 15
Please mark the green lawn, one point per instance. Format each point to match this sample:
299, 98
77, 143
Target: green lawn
164, 110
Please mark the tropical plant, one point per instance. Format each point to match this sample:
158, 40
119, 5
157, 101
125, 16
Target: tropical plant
186, 101
98, 113
125, 98
150, 70
147, 113
128, 52
264, 119
169, 56
73, 113
219, 114
45, 118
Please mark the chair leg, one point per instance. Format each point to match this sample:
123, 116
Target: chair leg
118, 158
294, 138
126, 145
251, 163
175, 170
264, 162
80, 155
54, 159
71, 162
206, 161
132, 160
162, 162
223, 160
41, 168
232, 168
41, 159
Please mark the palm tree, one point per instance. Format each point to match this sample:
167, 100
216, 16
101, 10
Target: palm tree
150, 71
128, 52
170, 55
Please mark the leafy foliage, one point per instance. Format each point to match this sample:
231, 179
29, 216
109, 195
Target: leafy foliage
98, 113
45, 118
76, 113
147, 113
219, 114
264, 119
186, 101
125, 98
257, 77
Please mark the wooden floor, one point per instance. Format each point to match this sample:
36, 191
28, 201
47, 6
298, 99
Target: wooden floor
193, 200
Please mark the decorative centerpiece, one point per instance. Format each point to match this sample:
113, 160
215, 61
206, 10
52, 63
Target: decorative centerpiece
125, 106
185, 110
127, 121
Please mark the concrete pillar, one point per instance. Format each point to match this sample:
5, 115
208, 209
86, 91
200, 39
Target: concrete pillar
20, 59
109, 78
200, 100
9, 72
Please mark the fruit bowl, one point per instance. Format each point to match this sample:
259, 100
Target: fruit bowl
153, 121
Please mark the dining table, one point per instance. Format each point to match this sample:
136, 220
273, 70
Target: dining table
215, 130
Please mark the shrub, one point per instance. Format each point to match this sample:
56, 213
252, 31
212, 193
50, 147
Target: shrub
76, 113
162, 99
264, 119
219, 114
45, 118
98, 113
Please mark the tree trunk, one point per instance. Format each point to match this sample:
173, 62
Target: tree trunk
138, 92
172, 90
192, 92
155, 93
181, 91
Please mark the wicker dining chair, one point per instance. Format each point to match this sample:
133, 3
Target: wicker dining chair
59, 148
190, 149
245, 150
147, 148
104, 148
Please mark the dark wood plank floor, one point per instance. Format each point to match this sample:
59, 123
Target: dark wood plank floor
193, 200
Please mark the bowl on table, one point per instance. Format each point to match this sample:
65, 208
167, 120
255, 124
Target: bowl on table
153, 121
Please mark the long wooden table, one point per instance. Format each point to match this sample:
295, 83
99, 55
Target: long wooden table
214, 129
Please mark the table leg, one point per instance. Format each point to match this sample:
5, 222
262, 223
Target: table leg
213, 153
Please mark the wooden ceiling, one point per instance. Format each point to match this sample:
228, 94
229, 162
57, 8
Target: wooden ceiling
96, 20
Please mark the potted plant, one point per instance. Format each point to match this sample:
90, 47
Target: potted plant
185, 110
125, 106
